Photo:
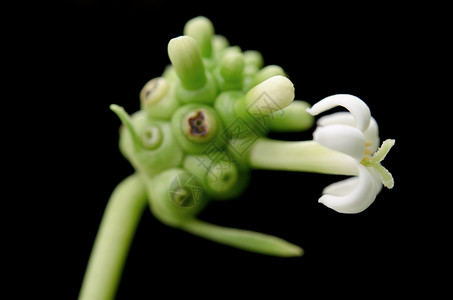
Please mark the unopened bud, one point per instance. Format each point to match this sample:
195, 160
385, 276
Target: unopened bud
270, 95
202, 30
185, 56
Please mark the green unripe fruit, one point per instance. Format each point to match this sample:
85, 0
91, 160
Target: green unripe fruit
176, 195
150, 146
158, 98
194, 126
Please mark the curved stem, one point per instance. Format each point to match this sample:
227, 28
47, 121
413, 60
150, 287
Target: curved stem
113, 240
307, 156
243, 239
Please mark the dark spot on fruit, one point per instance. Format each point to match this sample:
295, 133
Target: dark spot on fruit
198, 125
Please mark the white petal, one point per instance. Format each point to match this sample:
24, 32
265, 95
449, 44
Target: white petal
372, 135
342, 138
344, 118
341, 188
357, 107
351, 195
376, 179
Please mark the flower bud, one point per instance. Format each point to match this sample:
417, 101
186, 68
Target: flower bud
219, 42
254, 58
185, 56
231, 66
266, 73
270, 95
202, 31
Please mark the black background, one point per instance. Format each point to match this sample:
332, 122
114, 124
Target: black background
85, 55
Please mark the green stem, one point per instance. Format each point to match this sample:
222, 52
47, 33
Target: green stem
243, 239
113, 240
307, 156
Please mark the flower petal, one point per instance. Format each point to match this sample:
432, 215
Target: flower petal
357, 107
352, 195
372, 135
342, 187
342, 138
344, 118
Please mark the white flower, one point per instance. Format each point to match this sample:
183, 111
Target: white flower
354, 133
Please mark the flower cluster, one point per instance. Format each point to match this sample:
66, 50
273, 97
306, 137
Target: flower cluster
203, 126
